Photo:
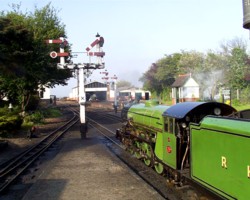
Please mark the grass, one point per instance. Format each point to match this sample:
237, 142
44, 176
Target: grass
52, 113
241, 107
38, 117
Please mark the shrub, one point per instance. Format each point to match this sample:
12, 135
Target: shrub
52, 112
10, 124
38, 116
35, 117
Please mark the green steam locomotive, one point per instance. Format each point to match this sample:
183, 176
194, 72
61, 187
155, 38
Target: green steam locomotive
207, 142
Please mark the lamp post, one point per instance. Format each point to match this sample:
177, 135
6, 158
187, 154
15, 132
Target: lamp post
106, 78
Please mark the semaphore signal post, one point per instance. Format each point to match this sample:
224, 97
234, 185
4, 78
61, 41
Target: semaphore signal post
83, 69
114, 78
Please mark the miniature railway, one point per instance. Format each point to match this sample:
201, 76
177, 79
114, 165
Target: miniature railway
114, 144
101, 120
107, 133
14, 168
106, 123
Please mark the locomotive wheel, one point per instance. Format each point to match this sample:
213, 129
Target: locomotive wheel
138, 152
130, 150
159, 168
128, 147
147, 150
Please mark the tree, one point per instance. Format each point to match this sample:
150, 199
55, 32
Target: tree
238, 64
149, 80
167, 69
45, 24
16, 49
190, 62
213, 70
16, 46
211, 76
24, 57
238, 67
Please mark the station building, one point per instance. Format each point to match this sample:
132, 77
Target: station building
185, 88
134, 94
46, 97
94, 91
98, 91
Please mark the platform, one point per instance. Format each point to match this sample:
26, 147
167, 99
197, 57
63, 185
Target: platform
86, 169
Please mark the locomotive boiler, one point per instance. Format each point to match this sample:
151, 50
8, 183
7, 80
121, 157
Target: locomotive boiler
191, 140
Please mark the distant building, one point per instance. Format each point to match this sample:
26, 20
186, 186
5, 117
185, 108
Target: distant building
45, 93
46, 97
185, 88
134, 94
94, 91
106, 92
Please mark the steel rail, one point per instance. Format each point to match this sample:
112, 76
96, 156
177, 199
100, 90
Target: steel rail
100, 128
18, 165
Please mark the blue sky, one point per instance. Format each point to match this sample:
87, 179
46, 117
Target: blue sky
139, 32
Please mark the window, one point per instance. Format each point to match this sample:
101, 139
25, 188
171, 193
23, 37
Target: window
169, 125
166, 124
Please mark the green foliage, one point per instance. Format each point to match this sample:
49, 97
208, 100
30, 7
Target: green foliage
240, 107
245, 95
25, 64
190, 62
45, 23
238, 68
165, 95
10, 123
213, 71
38, 116
5, 111
236, 102
52, 112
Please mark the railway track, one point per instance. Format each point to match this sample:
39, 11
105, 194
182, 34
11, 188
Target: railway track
101, 122
106, 124
107, 133
14, 168
117, 148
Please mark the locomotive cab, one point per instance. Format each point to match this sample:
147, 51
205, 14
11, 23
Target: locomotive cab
176, 139
176, 129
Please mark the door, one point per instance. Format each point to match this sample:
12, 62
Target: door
169, 142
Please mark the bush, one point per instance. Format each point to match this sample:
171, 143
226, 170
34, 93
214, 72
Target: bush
52, 112
10, 124
38, 116
35, 117
245, 95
